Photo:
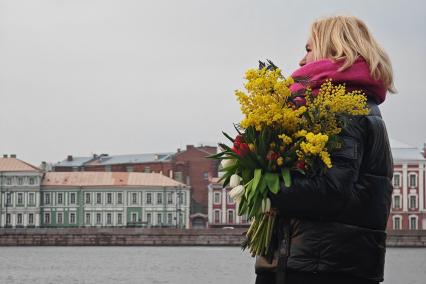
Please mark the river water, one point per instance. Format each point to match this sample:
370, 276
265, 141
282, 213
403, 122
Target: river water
177, 265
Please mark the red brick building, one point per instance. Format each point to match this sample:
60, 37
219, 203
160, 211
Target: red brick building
189, 166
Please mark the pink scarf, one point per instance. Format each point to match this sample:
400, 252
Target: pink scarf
356, 77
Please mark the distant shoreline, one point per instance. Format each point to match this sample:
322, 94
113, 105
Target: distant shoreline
156, 237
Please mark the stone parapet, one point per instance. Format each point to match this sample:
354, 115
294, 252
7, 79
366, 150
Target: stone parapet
155, 237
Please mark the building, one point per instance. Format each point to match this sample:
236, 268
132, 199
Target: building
29, 198
189, 166
222, 211
98, 199
19, 193
408, 210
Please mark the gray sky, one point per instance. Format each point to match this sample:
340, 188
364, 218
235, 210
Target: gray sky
84, 76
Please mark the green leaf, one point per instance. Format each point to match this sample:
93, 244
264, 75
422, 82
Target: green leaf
246, 175
262, 185
286, 176
257, 176
242, 207
227, 136
273, 182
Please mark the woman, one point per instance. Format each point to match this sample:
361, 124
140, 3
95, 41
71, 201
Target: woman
338, 219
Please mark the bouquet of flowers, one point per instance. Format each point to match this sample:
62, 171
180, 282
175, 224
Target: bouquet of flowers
281, 132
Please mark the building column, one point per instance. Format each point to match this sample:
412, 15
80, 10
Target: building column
210, 204
223, 205
404, 187
421, 187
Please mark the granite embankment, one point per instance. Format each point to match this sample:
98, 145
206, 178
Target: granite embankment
155, 237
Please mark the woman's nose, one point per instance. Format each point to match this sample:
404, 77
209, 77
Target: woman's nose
303, 61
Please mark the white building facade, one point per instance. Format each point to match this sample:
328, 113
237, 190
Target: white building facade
19, 193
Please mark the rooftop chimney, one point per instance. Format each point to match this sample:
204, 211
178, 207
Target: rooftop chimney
69, 158
13, 156
189, 147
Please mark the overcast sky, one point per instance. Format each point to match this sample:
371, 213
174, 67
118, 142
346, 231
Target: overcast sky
83, 76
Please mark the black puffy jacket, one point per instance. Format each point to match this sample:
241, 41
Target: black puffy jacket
338, 219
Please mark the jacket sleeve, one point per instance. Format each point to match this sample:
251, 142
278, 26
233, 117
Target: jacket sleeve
321, 197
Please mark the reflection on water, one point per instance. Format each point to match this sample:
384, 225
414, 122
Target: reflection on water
176, 265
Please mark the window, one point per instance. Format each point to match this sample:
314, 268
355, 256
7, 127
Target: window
147, 169
8, 198
169, 218
129, 169
98, 198
120, 198
47, 198
159, 198
20, 180
217, 216
47, 218
87, 198
20, 198
206, 176
134, 198
107, 168
397, 223
148, 218
148, 198
60, 198
170, 198
98, 218
30, 219
397, 202
88, 221
109, 198
413, 223
60, 218
72, 198
72, 218
109, 219
32, 181
31, 198
216, 199
179, 176
159, 219
231, 216
19, 221
119, 218
229, 200
8, 219
412, 182
181, 197
134, 217
9, 181
396, 180
413, 201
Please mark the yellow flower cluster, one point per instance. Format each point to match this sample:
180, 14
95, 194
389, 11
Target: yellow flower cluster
331, 102
266, 102
286, 139
315, 143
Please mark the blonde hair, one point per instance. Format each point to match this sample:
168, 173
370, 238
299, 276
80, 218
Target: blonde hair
346, 38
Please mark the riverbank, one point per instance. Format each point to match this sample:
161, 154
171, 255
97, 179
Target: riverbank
155, 237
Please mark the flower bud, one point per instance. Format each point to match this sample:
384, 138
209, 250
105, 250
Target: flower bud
235, 181
227, 163
237, 192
